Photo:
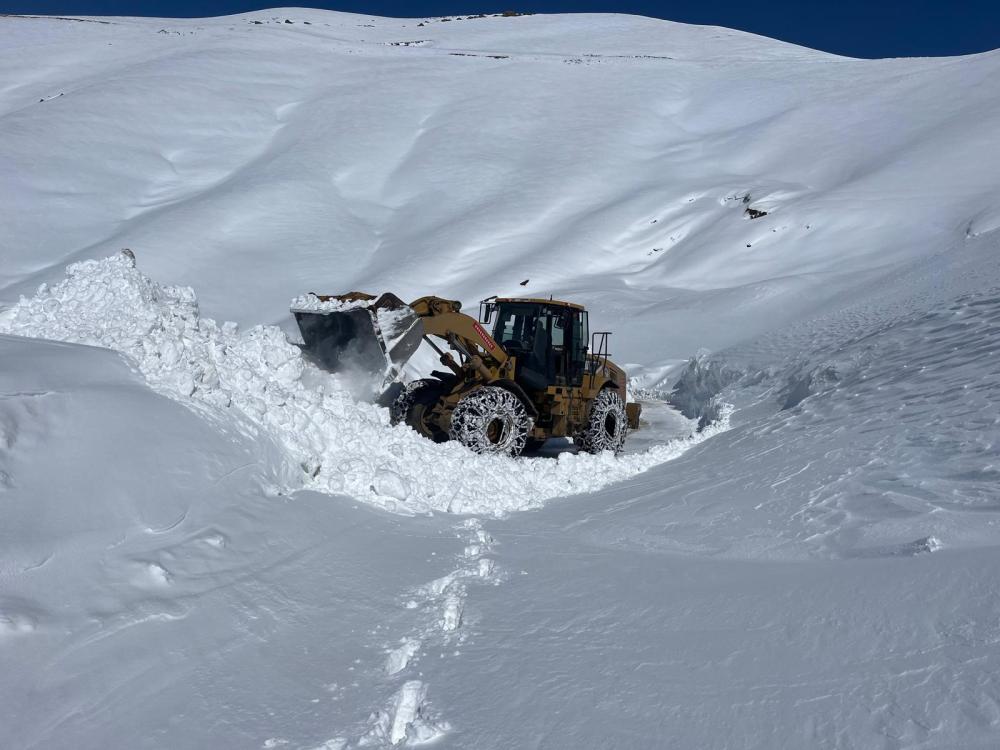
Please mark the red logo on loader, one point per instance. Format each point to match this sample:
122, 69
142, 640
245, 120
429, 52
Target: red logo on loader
487, 341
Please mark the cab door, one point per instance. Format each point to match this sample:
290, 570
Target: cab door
577, 349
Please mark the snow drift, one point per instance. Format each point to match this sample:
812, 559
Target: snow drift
334, 443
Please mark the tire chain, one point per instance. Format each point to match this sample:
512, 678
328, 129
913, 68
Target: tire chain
472, 417
595, 436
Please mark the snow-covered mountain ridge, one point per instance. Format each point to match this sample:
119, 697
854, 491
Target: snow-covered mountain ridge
608, 158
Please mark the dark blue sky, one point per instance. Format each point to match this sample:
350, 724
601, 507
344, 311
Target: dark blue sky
860, 28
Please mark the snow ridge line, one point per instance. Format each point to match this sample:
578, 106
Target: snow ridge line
334, 443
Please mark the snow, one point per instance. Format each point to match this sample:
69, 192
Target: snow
311, 303
195, 548
399, 658
334, 443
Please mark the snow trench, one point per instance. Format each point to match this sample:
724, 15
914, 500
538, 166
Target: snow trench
334, 443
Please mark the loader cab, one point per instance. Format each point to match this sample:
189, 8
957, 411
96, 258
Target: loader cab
548, 338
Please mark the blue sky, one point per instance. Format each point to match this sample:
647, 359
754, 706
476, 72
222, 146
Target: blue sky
859, 28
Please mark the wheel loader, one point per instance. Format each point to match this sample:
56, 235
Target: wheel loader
524, 371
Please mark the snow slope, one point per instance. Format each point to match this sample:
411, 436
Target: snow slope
820, 575
332, 442
604, 157
190, 556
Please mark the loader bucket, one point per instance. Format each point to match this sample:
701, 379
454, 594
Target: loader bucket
357, 331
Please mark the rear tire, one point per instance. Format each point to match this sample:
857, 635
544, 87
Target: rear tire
607, 425
491, 420
413, 406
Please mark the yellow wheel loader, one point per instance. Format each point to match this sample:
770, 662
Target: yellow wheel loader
536, 373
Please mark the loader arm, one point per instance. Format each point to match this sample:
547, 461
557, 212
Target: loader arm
442, 318
378, 335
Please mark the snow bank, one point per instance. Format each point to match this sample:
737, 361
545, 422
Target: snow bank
334, 443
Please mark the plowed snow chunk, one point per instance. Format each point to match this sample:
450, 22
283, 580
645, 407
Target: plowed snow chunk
389, 484
333, 442
451, 616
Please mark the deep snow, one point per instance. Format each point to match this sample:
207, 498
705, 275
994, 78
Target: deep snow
198, 563
334, 442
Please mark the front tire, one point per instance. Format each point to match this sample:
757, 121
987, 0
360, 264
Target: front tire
607, 425
491, 420
413, 407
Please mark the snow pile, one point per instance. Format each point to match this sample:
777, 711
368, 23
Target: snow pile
404, 720
312, 303
334, 443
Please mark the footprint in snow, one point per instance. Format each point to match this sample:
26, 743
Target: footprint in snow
151, 575
399, 657
17, 617
405, 720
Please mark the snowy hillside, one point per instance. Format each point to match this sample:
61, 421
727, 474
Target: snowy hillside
205, 542
596, 156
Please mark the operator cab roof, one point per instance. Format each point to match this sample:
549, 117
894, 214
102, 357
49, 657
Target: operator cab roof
550, 302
